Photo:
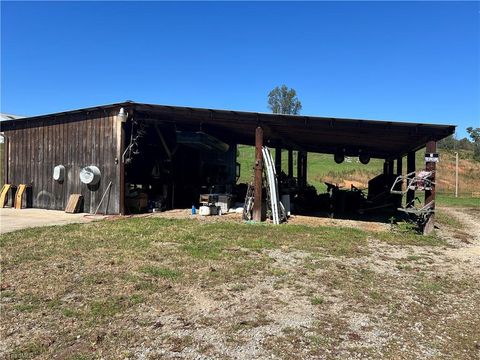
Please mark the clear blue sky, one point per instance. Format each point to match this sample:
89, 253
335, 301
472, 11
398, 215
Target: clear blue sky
406, 61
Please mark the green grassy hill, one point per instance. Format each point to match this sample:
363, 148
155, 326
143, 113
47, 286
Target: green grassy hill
322, 167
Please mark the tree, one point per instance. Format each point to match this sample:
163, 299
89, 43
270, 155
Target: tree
465, 144
448, 143
284, 101
475, 135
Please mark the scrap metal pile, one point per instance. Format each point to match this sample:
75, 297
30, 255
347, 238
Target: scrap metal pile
421, 181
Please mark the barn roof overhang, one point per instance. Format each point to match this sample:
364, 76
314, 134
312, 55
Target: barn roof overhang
380, 139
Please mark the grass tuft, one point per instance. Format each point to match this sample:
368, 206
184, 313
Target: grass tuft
156, 271
317, 300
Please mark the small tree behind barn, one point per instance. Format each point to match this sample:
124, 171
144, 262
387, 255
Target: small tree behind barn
283, 100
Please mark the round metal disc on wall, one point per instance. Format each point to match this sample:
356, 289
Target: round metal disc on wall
90, 175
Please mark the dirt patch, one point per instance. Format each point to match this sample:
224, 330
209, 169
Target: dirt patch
468, 251
324, 221
293, 220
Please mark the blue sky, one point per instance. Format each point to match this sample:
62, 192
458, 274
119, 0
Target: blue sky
410, 61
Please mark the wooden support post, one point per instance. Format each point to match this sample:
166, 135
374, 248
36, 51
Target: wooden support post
278, 160
299, 168
399, 186
304, 169
290, 163
390, 168
430, 166
430, 194
410, 168
399, 166
385, 168
121, 187
257, 201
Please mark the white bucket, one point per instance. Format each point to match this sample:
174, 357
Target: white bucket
90, 175
204, 211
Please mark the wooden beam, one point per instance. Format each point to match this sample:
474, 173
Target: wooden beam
290, 163
399, 185
164, 144
390, 168
399, 166
410, 168
121, 149
299, 168
304, 169
257, 201
278, 160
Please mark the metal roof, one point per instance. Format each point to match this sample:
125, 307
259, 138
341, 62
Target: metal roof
379, 138
6, 117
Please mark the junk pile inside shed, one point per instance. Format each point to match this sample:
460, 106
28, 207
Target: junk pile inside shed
167, 168
131, 157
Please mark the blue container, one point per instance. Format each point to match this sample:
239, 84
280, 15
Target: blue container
194, 211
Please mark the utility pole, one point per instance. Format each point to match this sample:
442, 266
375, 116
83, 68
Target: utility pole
456, 174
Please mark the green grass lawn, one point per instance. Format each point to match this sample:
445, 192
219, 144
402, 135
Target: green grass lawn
112, 288
461, 201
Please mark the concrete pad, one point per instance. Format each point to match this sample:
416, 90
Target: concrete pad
15, 219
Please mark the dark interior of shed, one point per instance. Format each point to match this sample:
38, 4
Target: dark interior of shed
168, 167
374, 202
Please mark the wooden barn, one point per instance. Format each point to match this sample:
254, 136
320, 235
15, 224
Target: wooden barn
172, 154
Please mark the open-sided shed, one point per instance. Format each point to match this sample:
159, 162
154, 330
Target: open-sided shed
109, 138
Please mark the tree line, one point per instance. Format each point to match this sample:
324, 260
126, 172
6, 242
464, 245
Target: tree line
472, 144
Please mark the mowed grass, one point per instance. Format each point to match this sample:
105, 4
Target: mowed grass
139, 236
85, 276
82, 283
461, 201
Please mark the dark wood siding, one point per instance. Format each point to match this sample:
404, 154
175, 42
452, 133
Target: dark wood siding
74, 141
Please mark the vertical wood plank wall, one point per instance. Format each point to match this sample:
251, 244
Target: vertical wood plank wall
74, 141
